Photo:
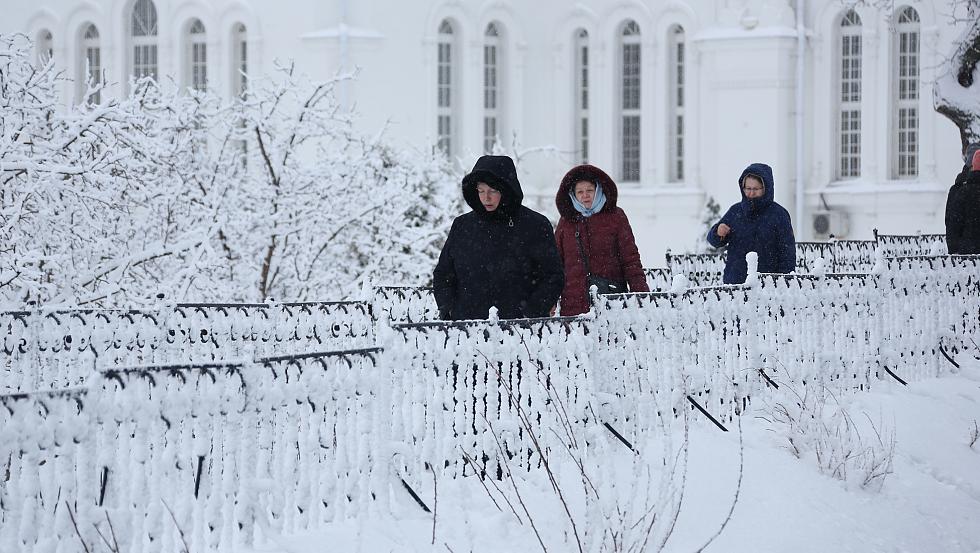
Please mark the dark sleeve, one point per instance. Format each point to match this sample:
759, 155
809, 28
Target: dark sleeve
786, 244
713, 237
444, 278
954, 221
550, 277
629, 256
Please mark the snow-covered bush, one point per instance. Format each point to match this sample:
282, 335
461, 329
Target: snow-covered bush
203, 199
613, 495
819, 426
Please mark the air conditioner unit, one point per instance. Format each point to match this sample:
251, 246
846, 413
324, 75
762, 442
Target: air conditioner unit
824, 224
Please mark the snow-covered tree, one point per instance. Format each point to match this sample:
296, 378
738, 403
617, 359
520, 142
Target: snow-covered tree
182, 193
957, 92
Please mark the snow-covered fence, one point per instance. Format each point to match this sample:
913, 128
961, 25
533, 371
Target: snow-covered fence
464, 388
405, 304
701, 269
725, 344
854, 256
658, 278
807, 254
934, 302
817, 329
902, 245
56, 349
299, 440
416, 304
202, 453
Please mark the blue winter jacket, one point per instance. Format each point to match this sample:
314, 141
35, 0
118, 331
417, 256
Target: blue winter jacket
757, 225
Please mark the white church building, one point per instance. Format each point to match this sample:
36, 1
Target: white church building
672, 98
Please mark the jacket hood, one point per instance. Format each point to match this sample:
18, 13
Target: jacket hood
589, 173
764, 172
500, 173
970, 151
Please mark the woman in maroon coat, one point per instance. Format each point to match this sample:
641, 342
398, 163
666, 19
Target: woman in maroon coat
586, 201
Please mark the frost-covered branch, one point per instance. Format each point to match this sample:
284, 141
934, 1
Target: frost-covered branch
285, 198
957, 92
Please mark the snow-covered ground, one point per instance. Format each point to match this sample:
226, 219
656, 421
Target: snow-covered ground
930, 502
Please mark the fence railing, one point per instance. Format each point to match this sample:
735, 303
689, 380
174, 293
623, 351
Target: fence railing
297, 440
895, 245
53, 349
206, 453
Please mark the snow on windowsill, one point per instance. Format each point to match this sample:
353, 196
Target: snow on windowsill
637, 189
736, 33
344, 30
879, 187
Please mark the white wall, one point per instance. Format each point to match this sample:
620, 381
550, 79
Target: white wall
740, 89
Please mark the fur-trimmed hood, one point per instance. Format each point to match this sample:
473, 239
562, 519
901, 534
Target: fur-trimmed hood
589, 173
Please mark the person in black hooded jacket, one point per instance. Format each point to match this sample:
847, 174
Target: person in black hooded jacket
963, 207
501, 254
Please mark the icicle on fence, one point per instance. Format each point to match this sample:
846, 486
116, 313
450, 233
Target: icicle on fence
203, 454
54, 349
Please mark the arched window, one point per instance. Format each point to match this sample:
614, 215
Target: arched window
676, 57
91, 62
581, 123
445, 80
144, 35
629, 105
849, 111
239, 63
492, 61
197, 56
45, 47
906, 112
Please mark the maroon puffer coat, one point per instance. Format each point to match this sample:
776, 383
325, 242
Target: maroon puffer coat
607, 239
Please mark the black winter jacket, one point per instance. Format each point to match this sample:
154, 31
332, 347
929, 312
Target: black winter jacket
506, 258
963, 214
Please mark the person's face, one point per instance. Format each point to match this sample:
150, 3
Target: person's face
489, 196
753, 187
585, 193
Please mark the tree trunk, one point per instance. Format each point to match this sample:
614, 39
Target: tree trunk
957, 93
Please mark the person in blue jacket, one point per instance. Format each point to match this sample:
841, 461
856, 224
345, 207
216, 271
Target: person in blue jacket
755, 224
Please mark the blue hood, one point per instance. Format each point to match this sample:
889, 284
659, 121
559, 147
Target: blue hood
757, 205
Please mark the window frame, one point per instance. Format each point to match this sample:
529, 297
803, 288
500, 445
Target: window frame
144, 48
90, 61
239, 61
907, 49
44, 47
581, 93
492, 86
630, 101
196, 55
676, 112
446, 75
848, 93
